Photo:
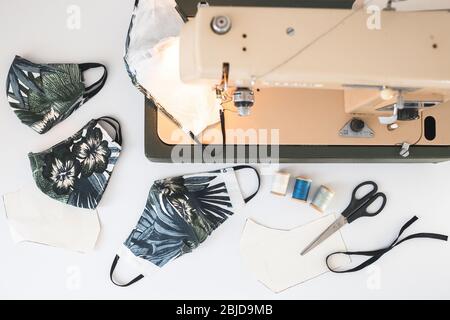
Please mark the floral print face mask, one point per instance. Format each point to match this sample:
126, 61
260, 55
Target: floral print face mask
43, 95
77, 170
180, 214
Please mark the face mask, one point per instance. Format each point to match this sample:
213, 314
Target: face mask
273, 255
43, 95
180, 214
77, 170
152, 61
34, 217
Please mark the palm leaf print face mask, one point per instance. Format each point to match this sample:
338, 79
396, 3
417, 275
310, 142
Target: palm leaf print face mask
77, 170
180, 214
43, 95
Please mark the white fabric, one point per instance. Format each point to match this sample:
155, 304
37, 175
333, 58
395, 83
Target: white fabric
138, 264
152, 21
233, 188
273, 255
194, 106
33, 216
155, 66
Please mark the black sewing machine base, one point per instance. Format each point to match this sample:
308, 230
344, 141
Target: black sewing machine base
158, 151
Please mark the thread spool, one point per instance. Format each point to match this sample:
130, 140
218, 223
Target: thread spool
280, 183
301, 189
322, 198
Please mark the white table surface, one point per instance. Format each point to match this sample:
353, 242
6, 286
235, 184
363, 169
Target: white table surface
37, 30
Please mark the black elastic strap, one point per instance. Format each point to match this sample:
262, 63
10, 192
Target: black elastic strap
377, 254
111, 272
94, 88
222, 126
236, 168
115, 124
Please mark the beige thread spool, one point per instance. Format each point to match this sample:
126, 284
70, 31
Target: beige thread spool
280, 183
322, 198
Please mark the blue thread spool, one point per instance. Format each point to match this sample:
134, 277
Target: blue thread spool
301, 189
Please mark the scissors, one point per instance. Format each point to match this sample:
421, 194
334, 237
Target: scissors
355, 210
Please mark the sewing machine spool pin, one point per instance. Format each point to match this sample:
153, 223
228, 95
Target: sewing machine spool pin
221, 24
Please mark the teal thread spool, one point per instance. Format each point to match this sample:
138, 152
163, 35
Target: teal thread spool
322, 198
301, 189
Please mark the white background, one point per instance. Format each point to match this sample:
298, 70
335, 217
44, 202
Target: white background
37, 31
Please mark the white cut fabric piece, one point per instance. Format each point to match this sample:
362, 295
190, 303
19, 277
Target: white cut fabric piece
151, 21
34, 217
152, 59
273, 255
195, 106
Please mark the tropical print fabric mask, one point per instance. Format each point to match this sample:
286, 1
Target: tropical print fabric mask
43, 95
77, 170
180, 214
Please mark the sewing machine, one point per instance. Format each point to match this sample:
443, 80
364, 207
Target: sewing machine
333, 84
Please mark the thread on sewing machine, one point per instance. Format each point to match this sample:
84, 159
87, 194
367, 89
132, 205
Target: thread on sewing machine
280, 183
322, 198
301, 189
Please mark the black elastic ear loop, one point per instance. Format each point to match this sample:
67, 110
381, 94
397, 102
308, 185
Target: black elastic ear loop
377, 254
236, 168
115, 124
111, 272
94, 88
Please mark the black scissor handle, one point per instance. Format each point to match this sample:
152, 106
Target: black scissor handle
368, 195
362, 211
356, 203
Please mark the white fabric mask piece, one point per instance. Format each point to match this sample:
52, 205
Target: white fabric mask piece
33, 216
152, 60
273, 255
194, 106
152, 21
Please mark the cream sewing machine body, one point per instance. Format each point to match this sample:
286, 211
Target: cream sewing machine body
382, 74
337, 84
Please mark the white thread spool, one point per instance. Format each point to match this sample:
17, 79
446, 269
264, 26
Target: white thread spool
322, 198
280, 183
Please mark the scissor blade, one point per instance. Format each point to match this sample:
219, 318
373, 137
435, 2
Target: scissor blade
335, 226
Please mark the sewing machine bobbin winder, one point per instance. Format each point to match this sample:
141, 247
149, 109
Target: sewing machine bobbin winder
336, 88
